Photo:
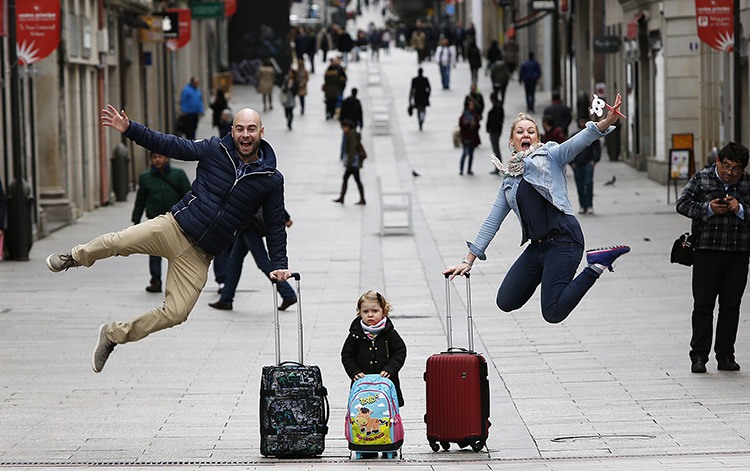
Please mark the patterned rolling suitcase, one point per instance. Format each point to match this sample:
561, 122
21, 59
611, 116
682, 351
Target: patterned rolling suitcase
458, 390
293, 401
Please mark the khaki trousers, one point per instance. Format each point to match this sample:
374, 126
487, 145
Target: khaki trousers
187, 272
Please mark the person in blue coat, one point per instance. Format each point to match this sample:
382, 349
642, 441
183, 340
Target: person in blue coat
191, 107
534, 187
235, 177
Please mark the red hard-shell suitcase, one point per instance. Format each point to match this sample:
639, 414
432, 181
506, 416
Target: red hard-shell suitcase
458, 390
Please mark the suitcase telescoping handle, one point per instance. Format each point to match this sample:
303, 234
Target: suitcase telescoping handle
277, 333
470, 320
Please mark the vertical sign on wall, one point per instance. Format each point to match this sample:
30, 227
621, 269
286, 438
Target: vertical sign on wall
715, 20
37, 29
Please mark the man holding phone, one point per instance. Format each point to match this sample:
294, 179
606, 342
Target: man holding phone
717, 199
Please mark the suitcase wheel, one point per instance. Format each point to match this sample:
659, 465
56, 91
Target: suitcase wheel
390, 455
463, 445
434, 445
478, 445
445, 445
365, 455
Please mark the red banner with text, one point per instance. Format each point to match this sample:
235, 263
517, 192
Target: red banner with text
37, 29
715, 20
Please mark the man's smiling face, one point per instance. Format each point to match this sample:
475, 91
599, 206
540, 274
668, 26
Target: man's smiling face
247, 131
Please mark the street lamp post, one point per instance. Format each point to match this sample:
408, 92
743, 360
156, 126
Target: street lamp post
18, 233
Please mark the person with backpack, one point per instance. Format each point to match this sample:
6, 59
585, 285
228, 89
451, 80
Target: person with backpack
373, 346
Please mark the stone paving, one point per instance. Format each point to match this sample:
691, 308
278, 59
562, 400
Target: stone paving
610, 388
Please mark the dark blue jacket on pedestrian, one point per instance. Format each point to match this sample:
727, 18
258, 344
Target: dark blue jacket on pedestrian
220, 204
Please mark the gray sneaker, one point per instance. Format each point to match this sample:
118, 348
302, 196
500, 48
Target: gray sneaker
104, 347
59, 262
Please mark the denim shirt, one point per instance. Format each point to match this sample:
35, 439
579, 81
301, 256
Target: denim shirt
545, 170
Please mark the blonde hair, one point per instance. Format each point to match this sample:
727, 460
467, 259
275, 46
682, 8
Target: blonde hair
522, 117
373, 296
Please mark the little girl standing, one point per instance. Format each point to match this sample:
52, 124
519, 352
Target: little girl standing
373, 346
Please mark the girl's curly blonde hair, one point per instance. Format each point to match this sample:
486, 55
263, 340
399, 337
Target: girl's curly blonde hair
373, 296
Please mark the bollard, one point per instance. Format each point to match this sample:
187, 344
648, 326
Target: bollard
120, 162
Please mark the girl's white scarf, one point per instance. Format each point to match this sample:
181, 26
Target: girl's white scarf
515, 163
371, 331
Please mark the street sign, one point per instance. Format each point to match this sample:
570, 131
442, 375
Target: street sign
607, 44
170, 25
207, 10
543, 5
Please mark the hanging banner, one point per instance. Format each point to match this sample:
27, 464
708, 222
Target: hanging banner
715, 20
3, 16
37, 29
230, 8
184, 19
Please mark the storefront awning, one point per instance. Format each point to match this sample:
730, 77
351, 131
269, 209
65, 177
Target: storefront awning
632, 29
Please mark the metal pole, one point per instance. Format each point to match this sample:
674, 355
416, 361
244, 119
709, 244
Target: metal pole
737, 73
18, 234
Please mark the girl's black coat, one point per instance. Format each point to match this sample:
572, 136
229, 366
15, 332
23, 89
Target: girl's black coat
386, 353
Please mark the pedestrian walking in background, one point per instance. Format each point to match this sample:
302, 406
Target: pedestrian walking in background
500, 76
191, 107
351, 109
266, 81
495, 118
534, 187
159, 188
419, 42
419, 96
583, 172
551, 132
334, 84
510, 52
445, 58
218, 105
225, 122
310, 49
474, 56
475, 96
717, 200
251, 239
344, 44
302, 79
373, 346
529, 74
235, 176
324, 42
289, 96
493, 55
468, 123
459, 39
351, 159
560, 113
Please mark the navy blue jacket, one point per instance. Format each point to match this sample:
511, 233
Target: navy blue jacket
220, 205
